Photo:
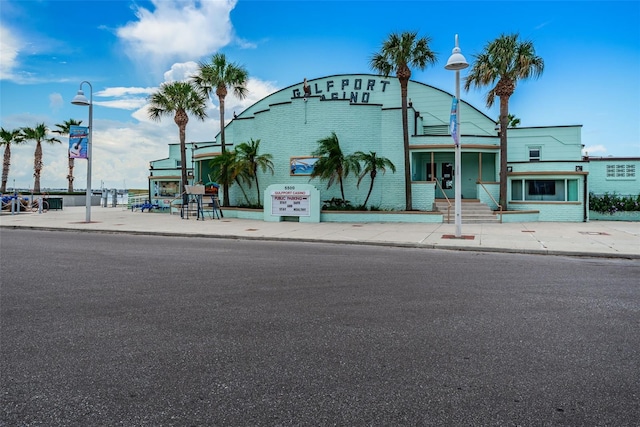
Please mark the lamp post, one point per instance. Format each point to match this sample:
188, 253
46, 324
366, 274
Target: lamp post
80, 99
456, 63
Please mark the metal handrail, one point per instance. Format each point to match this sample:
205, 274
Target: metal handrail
448, 201
178, 198
494, 200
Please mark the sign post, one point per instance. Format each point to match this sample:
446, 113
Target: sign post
300, 200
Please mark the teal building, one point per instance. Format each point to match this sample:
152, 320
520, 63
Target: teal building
547, 178
619, 175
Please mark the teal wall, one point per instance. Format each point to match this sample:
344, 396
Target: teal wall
293, 129
601, 182
556, 143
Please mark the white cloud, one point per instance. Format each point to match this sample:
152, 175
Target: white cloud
257, 90
123, 104
9, 48
122, 91
178, 30
125, 98
594, 150
181, 71
55, 101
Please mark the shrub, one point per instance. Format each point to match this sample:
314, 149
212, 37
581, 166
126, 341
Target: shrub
612, 203
337, 204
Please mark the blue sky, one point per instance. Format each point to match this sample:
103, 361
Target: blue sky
126, 49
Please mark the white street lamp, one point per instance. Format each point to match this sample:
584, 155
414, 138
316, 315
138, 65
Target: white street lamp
80, 99
457, 62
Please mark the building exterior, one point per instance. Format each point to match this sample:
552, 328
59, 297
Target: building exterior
619, 175
547, 179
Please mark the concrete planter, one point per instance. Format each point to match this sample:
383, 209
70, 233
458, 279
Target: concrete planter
346, 216
381, 216
617, 216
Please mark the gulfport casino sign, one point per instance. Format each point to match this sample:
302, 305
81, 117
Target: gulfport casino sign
290, 202
356, 90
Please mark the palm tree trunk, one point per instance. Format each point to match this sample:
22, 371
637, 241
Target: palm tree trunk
6, 162
504, 111
243, 192
37, 167
225, 186
183, 161
405, 135
181, 119
70, 176
257, 188
342, 190
373, 177
368, 194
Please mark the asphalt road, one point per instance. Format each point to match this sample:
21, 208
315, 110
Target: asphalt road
108, 329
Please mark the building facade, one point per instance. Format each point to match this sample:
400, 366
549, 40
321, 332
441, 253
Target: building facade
547, 178
619, 175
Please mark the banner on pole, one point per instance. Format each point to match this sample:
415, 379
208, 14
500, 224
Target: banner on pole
78, 142
453, 121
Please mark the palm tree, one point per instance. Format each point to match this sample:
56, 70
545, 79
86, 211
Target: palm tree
372, 164
248, 154
8, 137
38, 134
332, 164
221, 75
65, 129
398, 53
227, 170
512, 121
505, 60
178, 99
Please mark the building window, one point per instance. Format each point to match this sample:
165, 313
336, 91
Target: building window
534, 154
621, 171
165, 189
548, 190
541, 188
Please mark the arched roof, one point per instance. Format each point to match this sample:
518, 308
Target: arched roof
432, 103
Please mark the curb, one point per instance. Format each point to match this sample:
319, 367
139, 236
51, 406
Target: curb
338, 242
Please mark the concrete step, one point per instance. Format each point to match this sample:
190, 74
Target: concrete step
473, 212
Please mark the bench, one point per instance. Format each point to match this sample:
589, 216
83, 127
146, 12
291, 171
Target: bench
146, 205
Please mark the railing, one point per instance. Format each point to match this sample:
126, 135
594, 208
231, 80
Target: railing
136, 200
448, 202
494, 200
178, 208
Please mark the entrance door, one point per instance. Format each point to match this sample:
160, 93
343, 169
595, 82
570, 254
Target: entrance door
447, 175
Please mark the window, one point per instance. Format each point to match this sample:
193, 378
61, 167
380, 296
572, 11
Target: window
516, 190
621, 171
534, 154
542, 188
548, 190
165, 189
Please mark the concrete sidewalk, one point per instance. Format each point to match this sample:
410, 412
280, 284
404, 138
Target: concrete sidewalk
612, 239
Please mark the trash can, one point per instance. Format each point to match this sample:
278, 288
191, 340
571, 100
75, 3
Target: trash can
55, 203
